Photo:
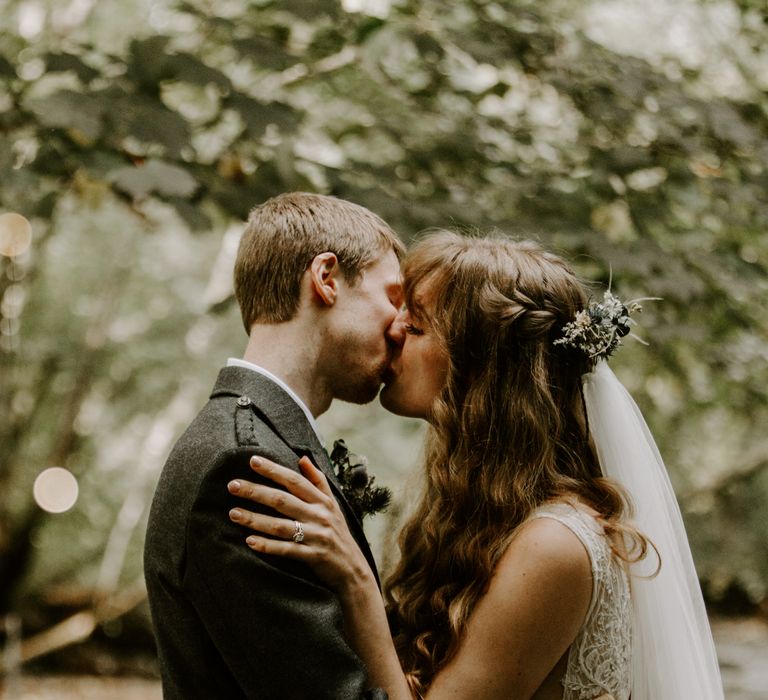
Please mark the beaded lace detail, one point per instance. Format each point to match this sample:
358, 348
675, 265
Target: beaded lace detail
599, 659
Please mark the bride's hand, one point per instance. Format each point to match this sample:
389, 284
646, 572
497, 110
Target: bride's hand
327, 545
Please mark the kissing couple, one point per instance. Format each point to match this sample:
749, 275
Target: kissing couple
546, 557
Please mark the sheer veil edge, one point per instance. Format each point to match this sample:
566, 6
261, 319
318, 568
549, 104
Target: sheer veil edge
673, 654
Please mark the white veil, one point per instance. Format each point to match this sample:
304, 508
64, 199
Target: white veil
673, 653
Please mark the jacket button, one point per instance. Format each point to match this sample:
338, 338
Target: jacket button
243, 401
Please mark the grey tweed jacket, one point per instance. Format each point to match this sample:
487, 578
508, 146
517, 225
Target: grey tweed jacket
230, 623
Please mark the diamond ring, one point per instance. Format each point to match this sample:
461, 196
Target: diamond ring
298, 532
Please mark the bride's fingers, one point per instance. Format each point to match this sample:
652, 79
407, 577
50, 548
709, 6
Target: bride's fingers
267, 524
274, 498
315, 476
295, 483
281, 548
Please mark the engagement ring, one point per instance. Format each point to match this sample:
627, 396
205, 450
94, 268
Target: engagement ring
298, 532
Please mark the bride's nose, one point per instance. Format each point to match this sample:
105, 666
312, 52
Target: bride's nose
396, 330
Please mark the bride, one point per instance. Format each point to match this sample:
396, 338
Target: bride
524, 571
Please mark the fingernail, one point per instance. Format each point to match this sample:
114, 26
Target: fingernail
233, 485
255, 461
251, 540
235, 513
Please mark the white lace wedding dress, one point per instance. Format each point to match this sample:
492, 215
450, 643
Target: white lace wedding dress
600, 658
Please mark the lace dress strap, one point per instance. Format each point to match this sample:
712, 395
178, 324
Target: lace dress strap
599, 657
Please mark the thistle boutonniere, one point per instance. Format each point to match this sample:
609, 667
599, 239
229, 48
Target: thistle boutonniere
356, 484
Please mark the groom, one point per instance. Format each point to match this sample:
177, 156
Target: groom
317, 281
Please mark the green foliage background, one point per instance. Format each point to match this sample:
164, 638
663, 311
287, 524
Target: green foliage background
136, 136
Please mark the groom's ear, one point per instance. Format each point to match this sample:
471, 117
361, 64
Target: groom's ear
324, 271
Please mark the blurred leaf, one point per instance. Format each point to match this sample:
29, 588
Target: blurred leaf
147, 59
189, 68
265, 51
191, 213
6, 67
157, 177
728, 126
145, 119
311, 9
67, 109
258, 115
61, 62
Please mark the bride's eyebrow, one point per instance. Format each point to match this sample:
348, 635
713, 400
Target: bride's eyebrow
415, 308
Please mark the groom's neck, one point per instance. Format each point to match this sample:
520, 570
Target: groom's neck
288, 352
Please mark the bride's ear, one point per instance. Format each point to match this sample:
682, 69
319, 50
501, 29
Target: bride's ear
324, 271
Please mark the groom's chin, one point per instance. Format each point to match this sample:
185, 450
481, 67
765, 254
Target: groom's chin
360, 393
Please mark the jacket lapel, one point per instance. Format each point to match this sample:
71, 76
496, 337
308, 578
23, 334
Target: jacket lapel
287, 420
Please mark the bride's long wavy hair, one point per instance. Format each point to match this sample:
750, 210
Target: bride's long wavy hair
507, 433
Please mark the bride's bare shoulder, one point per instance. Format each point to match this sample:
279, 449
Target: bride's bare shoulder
529, 615
547, 545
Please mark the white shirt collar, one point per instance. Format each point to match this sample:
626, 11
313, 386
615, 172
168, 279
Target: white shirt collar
234, 362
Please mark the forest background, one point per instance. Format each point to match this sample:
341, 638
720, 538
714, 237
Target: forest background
135, 136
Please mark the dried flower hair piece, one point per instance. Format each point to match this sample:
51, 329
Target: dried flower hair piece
597, 331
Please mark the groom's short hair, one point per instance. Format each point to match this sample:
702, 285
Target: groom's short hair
284, 235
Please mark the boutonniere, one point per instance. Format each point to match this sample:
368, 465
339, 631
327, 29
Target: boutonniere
356, 484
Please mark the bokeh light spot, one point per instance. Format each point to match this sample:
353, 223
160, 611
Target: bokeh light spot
55, 490
15, 234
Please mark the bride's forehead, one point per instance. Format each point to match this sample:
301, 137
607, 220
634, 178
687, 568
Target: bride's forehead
421, 299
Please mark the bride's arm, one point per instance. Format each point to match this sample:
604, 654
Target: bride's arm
520, 628
368, 633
